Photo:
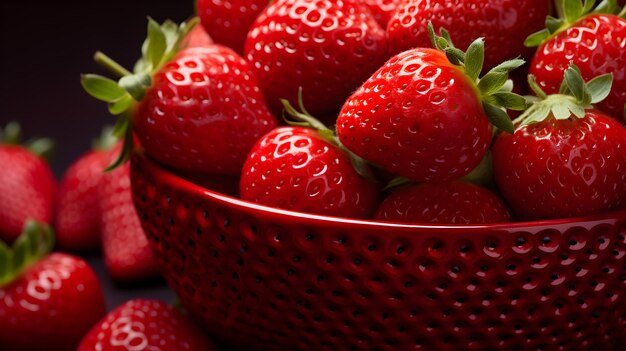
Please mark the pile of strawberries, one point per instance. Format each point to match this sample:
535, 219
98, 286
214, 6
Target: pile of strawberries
393, 110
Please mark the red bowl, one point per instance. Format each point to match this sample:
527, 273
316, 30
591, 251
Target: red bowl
259, 278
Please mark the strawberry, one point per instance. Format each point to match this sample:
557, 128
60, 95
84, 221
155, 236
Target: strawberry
382, 10
198, 110
228, 21
142, 324
27, 184
326, 47
304, 169
425, 117
565, 158
126, 249
503, 23
593, 41
77, 218
443, 203
47, 301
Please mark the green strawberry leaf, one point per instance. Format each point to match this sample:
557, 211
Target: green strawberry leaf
499, 118
554, 24
537, 38
121, 105
572, 10
607, 7
508, 66
42, 147
483, 173
136, 84
102, 88
576, 84
6, 262
106, 140
455, 56
492, 82
475, 58
11, 134
127, 149
600, 87
157, 43
510, 101
396, 183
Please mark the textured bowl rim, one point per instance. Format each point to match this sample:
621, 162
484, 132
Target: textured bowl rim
164, 176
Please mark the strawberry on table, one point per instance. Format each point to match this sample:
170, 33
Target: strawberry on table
565, 158
443, 203
305, 169
228, 21
592, 40
77, 218
326, 47
27, 186
504, 24
47, 301
197, 110
425, 115
145, 325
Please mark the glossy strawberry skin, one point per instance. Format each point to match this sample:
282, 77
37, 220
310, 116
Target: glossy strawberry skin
126, 249
382, 10
293, 168
228, 21
566, 168
77, 218
419, 117
443, 203
145, 325
596, 45
51, 306
28, 190
326, 47
504, 24
203, 112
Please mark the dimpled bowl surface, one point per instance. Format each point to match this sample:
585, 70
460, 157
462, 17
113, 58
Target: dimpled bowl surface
258, 278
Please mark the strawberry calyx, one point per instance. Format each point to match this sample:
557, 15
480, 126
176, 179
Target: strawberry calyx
494, 87
575, 95
569, 12
36, 242
303, 118
161, 45
11, 134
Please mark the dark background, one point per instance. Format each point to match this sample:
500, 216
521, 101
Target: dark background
44, 48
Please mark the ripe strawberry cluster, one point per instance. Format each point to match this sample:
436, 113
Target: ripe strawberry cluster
420, 94
51, 300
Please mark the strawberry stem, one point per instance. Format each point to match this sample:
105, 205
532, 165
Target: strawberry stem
110, 65
36, 241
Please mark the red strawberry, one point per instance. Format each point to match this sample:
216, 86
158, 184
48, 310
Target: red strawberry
565, 159
302, 169
382, 10
77, 218
47, 302
326, 47
503, 23
593, 42
145, 325
228, 21
27, 184
425, 118
126, 249
199, 110
443, 203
